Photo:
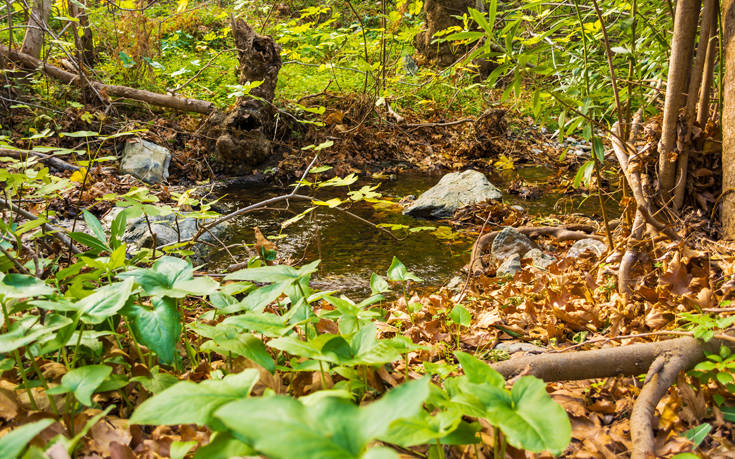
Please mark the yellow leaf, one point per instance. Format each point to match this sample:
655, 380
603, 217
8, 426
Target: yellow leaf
78, 176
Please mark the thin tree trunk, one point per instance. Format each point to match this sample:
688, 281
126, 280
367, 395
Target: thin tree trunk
695, 83
728, 119
84, 42
682, 45
37, 20
707, 77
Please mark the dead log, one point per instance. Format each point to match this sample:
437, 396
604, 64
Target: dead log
47, 159
243, 133
110, 90
562, 233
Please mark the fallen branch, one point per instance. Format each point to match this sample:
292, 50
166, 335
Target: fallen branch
562, 233
153, 98
47, 159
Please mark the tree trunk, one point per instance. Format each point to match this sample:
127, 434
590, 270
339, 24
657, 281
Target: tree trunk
37, 20
680, 63
728, 119
84, 42
439, 16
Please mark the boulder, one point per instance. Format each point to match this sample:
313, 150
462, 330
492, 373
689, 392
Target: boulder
539, 259
453, 191
598, 248
513, 347
510, 242
145, 160
168, 231
510, 266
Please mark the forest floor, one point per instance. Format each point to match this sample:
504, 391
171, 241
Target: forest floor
571, 305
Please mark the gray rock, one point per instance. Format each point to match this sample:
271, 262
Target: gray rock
512, 347
518, 208
168, 231
453, 191
510, 266
539, 259
145, 160
455, 283
510, 242
584, 245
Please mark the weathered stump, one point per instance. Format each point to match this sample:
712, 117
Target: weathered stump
243, 133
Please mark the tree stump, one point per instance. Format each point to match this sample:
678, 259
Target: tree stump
243, 133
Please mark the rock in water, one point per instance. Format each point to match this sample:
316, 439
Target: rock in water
168, 231
510, 242
453, 191
145, 160
584, 245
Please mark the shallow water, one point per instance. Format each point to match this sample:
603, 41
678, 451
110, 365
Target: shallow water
351, 250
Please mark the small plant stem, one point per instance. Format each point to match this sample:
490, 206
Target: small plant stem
18, 360
75, 355
496, 444
135, 342
598, 166
406, 359
24, 378
114, 331
39, 373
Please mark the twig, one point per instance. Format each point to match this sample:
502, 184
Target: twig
54, 231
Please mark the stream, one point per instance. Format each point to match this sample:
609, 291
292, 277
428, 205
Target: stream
350, 250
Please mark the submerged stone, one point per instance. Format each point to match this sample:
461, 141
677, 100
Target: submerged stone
454, 191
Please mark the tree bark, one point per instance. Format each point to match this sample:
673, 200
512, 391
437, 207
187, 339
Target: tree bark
695, 82
85, 41
439, 16
682, 45
728, 119
37, 20
153, 98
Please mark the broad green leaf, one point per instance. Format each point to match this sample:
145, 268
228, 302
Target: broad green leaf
267, 323
259, 298
460, 315
530, 419
95, 226
22, 286
179, 449
224, 446
90, 241
158, 328
278, 273
378, 284
698, 434
243, 344
398, 272
13, 443
29, 330
105, 301
83, 381
478, 372
189, 403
